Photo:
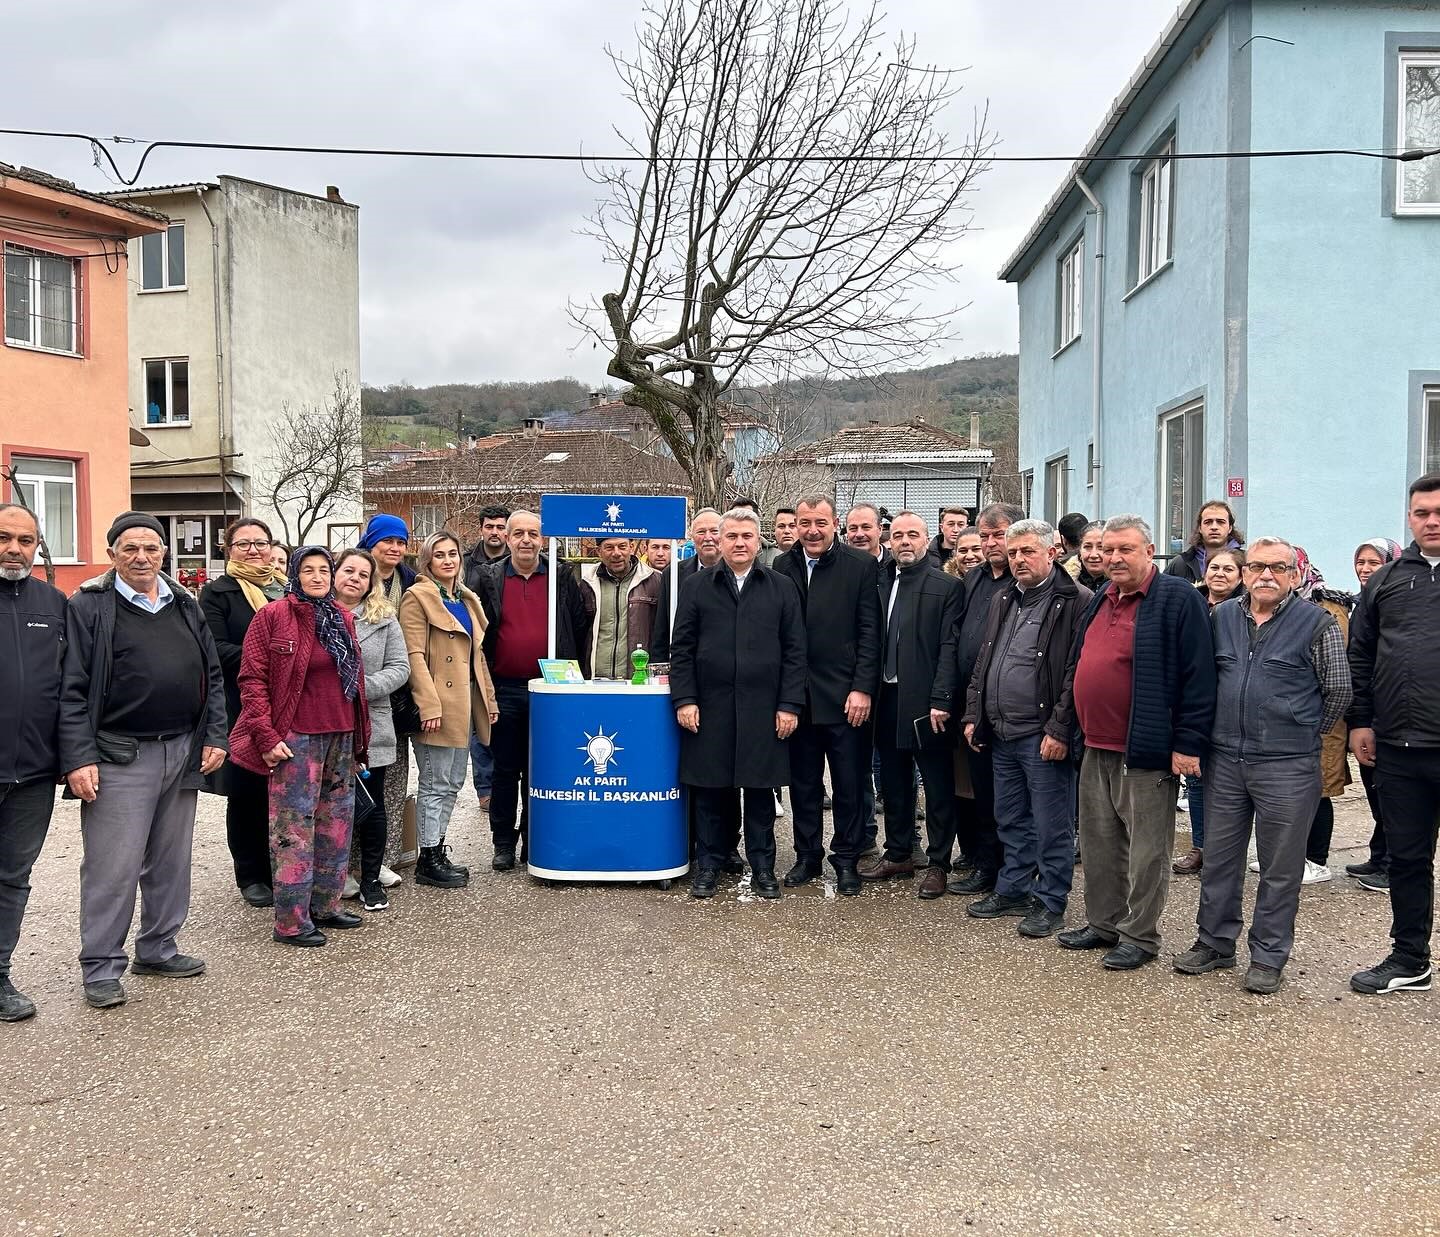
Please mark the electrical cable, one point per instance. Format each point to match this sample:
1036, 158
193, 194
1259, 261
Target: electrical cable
1398, 156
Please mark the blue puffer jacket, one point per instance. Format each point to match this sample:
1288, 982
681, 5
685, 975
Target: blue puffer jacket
1172, 697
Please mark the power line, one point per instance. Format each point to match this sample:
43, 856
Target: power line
1398, 156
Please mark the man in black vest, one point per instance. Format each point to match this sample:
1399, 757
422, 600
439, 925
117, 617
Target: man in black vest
916, 703
1282, 681
737, 681
32, 641
837, 586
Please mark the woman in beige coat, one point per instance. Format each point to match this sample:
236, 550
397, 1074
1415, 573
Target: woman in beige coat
444, 628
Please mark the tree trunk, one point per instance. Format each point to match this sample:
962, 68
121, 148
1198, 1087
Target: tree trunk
710, 468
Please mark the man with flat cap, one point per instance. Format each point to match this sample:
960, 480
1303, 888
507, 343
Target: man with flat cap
142, 721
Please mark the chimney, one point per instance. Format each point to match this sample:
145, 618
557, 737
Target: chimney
974, 431
332, 194
596, 398
533, 427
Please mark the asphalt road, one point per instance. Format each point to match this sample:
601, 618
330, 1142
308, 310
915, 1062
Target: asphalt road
512, 1058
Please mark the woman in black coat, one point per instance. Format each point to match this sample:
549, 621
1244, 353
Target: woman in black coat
229, 603
738, 656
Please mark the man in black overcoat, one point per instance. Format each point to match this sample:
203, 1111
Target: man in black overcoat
838, 593
915, 707
737, 681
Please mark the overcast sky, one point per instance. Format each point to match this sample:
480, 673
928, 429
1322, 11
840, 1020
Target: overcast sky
466, 267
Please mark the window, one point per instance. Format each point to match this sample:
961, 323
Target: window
1027, 488
162, 259
167, 392
1419, 182
1432, 430
1155, 213
1090, 464
426, 520
1072, 284
1182, 473
42, 301
48, 489
1057, 485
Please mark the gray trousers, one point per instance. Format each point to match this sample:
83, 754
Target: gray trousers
441, 776
1127, 833
1280, 796
138, 831
25, 809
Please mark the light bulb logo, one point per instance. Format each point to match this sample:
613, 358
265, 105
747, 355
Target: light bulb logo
600, 749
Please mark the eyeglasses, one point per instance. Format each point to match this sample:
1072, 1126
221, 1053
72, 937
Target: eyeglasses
250, 545
1275, 569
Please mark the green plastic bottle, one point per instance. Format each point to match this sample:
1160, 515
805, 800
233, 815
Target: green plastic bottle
640, 659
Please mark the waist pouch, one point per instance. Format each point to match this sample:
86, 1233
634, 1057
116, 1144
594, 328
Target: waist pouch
116, 749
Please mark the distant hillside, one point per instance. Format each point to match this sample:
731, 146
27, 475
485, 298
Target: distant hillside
945, 394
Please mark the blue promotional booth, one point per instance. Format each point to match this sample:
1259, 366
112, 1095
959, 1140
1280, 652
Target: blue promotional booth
604, 790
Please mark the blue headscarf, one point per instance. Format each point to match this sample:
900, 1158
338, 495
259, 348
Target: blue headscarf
330, 627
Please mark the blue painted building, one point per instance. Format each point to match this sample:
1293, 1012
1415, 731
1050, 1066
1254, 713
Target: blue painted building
1264, 329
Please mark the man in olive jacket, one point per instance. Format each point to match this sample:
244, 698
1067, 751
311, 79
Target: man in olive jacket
737, 682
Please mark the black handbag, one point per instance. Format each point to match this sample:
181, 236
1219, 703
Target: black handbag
404, 712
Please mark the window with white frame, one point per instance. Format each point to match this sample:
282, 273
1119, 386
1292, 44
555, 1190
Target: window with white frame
1432, 430
1418, 185
1182, 473
1072, 284
47, 487
162, 259
1057, 489
42, 300
426, 520
167, 391
1155, 213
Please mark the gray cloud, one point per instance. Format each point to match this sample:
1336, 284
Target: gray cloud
466, 268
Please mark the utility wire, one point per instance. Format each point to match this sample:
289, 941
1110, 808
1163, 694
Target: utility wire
1398, 156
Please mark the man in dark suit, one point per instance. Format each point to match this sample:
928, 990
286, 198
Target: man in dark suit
916, 702
864, 530
705, 534
838, 591
737, 681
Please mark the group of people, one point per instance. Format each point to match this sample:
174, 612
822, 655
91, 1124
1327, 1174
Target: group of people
1029, 679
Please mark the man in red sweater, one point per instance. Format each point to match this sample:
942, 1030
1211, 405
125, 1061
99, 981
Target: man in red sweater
514, 592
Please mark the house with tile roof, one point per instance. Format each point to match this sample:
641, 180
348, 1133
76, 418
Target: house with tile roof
910, 465
447, 489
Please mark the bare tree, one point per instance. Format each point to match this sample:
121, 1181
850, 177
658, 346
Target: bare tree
315, 464
794, 190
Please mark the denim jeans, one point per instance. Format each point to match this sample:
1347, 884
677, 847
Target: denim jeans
25, 809
1195, 792
482, 767
1034, 802
441, 774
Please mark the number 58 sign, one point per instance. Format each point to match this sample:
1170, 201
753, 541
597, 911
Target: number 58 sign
1235, 487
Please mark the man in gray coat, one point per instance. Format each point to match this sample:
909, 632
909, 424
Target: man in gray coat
142, 721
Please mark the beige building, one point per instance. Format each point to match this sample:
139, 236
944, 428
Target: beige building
248, 304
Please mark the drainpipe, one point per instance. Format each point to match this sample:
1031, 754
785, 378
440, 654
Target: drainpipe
222, 438
1098, 326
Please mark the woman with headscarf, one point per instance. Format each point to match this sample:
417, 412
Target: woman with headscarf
444, 628
304, 722
229, 603
1374, 873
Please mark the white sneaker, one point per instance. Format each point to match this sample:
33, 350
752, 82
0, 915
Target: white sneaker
352, 888
1315, 873
388, 878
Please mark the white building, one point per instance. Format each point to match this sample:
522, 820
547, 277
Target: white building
248, 304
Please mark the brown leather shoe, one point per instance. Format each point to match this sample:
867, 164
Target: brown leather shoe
879, 868
1190, 863
932, 883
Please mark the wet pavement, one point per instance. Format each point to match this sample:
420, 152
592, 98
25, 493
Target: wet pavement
512, 1058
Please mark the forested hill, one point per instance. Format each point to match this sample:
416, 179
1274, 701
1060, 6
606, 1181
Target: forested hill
945, 394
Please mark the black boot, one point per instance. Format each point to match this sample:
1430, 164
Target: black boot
445, 860
431, 870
